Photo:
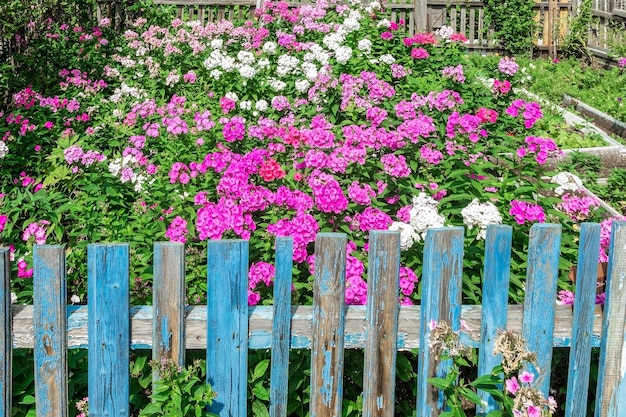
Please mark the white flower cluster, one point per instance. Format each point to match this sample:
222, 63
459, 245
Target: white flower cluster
407, 234
365, 46
567, 182
445, 32
287, 64
126, 90
123, 167
261, 105
333, 40
481, 214
372, 7
4, 149
423, 215
387, 59
343, 54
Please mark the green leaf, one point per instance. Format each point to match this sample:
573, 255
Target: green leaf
260, 369
261, 392
259, 409
440, 383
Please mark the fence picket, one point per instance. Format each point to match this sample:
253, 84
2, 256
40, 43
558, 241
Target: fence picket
328, 325
379, 372
168, 324
539, 299
227, 326
50, 322
441, 300
281, 332
6, 349
109, 329
495, 300
610, 398
584, 303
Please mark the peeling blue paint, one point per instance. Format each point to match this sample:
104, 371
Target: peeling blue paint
326, 391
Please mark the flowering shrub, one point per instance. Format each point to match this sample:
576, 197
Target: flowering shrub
321, 118
510, 388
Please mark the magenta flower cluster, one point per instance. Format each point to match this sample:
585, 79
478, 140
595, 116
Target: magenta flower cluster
542, 148
523, 211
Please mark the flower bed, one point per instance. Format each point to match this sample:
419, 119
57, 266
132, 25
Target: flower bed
322, 118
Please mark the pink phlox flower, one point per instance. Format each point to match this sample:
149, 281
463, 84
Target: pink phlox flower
524, 212
512, 385
261, 272
526, 377
177, 230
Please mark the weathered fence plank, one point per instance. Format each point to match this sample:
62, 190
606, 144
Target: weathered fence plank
261, 324
281, 330
327, 346
379, 373
496, 296
610, 399
227, 326
6, 351
584, 303
50, 302
441, 300
109, 329
539, 300
168, 299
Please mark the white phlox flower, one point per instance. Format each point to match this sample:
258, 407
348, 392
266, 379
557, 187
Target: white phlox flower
480, 215
407, 234
567, 182
424, 214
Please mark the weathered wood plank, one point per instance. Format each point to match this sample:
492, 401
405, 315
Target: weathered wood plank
584, 303
227, 325
281, 330
50, 302
610, 401
260, 319
441, 300
6, 351
327, 347
496, 272
109, 329
539, 301
379, 373
168, 300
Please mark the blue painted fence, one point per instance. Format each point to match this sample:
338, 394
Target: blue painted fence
227, 327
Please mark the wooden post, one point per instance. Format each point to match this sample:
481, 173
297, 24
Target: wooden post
421, 15
442, 275
109, 329
328, 325
611, 392
227, 326
168, 323
584, 304
6, 320
281, 330
50, 322
381, 340
495, 300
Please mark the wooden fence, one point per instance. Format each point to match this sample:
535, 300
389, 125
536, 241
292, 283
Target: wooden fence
466, 16
226, 327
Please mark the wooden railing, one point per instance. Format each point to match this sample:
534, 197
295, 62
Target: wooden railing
226, 327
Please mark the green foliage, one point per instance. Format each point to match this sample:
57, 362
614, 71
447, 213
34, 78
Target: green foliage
514, 24
179, 391
575, 43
